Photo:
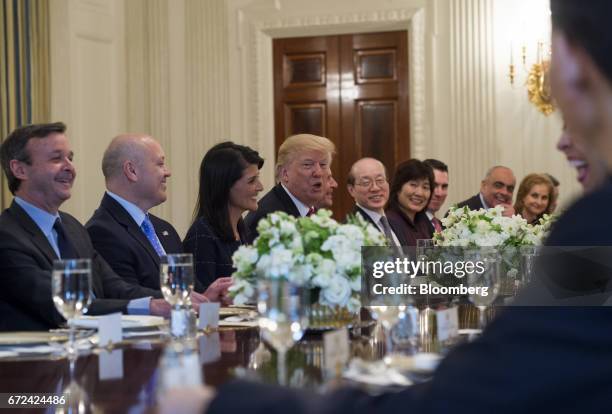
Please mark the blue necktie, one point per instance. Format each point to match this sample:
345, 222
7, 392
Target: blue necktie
149, 231
66, 249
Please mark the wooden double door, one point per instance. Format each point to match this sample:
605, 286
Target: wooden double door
352, 89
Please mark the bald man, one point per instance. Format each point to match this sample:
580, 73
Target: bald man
496, 189
122, 230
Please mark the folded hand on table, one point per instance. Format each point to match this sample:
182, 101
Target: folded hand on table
218, 291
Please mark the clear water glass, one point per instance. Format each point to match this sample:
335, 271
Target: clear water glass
176, 280
283, 308
72, 294
489, 278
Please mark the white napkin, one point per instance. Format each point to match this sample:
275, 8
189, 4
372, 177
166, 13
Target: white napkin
374, 373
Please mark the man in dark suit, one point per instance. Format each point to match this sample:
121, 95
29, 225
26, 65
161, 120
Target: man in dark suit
37, 161
495, 189
302, 164
546, 359
368, 185
122, 230
439, 192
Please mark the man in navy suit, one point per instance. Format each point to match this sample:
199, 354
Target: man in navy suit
303, 165
496, 189
122, 229
529, 359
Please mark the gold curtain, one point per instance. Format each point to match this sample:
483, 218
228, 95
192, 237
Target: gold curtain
24, 69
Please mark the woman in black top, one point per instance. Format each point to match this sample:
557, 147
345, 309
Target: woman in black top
409, 196
229, 185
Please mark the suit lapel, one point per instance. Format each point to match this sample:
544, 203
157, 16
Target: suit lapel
366, 216
165, 236
287, 202
123, 217
38, 238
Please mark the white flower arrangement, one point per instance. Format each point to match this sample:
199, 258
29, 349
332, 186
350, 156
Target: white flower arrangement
480, 228
472, 229
316, 252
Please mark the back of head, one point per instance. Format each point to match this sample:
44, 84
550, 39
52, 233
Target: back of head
14, 147
588, 25
125, 147
296, 144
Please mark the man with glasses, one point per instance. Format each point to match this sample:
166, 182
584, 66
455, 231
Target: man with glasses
368, 185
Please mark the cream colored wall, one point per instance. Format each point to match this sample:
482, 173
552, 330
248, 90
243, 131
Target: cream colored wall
195, 72
88, 87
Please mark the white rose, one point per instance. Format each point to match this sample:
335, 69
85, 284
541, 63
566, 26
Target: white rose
245, 257
324, 273
337, 293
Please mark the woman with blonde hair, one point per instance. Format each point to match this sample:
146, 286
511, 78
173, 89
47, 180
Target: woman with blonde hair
534, 196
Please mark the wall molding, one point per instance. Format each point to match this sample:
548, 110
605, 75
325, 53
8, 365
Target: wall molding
255, 33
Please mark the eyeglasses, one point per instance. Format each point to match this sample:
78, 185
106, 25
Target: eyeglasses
367, 183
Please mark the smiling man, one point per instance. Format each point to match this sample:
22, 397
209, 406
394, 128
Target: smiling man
496, 189
122, 229
303, 164
589, 174
38, 162
368, 185
440, 191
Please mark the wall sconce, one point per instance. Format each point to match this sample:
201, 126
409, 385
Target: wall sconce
537, 78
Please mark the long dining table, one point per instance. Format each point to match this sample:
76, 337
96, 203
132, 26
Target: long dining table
133, 385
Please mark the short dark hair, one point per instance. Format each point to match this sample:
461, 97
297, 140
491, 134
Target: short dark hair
412, 169
587, 26
221, 167
14, 147
436, 164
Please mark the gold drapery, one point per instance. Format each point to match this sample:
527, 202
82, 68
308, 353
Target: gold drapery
24, 69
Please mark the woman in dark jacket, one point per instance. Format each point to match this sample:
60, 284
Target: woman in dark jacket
229, 185
410, 193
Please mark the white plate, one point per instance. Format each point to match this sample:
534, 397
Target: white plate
31, 338
127, 321
420, 363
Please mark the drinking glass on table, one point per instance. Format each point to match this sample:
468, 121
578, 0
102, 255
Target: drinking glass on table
488, 278
283, 308
424, 253
176, 282
71, 289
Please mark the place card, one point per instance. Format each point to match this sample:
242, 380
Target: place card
110, 364
109, 329
209, 316
447, 321
210, 348
336, 350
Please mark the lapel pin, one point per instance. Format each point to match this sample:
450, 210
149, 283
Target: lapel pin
165, 232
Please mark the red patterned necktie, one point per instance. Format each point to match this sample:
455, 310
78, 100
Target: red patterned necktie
311, 211
437, 225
